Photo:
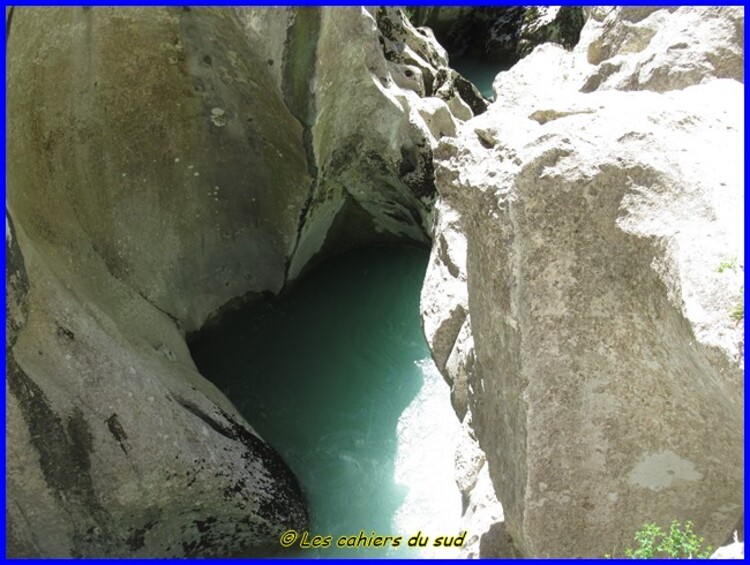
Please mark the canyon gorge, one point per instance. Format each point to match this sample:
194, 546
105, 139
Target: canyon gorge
569, 245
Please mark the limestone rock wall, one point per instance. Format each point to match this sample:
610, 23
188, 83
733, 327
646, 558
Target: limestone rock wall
139, 191
132, 127
581, 298
374, 96
160, 164
603, 238
663, 49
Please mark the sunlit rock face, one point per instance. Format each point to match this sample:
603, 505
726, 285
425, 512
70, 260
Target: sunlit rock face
603, 270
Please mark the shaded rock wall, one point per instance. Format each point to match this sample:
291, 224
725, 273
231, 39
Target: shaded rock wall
500, 34
128, 133
130, 234
161, 163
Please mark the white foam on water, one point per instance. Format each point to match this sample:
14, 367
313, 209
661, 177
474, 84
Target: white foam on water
428, 431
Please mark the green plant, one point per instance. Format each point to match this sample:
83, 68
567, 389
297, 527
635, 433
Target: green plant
411, 14
530, 15
726, 265
678, 542
738, 312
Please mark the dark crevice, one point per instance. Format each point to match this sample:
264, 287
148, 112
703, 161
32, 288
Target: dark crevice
499, 34
137, 536
8, 20
160, 309
300, 50
118, 432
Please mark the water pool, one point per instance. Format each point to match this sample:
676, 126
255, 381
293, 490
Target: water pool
337, 377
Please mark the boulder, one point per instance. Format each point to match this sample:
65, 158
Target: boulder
604, 282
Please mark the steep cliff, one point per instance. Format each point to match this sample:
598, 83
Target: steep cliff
583, 299
161, 163
591, 243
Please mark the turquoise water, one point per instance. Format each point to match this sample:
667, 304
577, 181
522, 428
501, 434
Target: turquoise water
482, 74
337, 377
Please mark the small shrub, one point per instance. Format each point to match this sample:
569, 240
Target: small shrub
730, 264
411, 14
530, 15
738, 312
677, 543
